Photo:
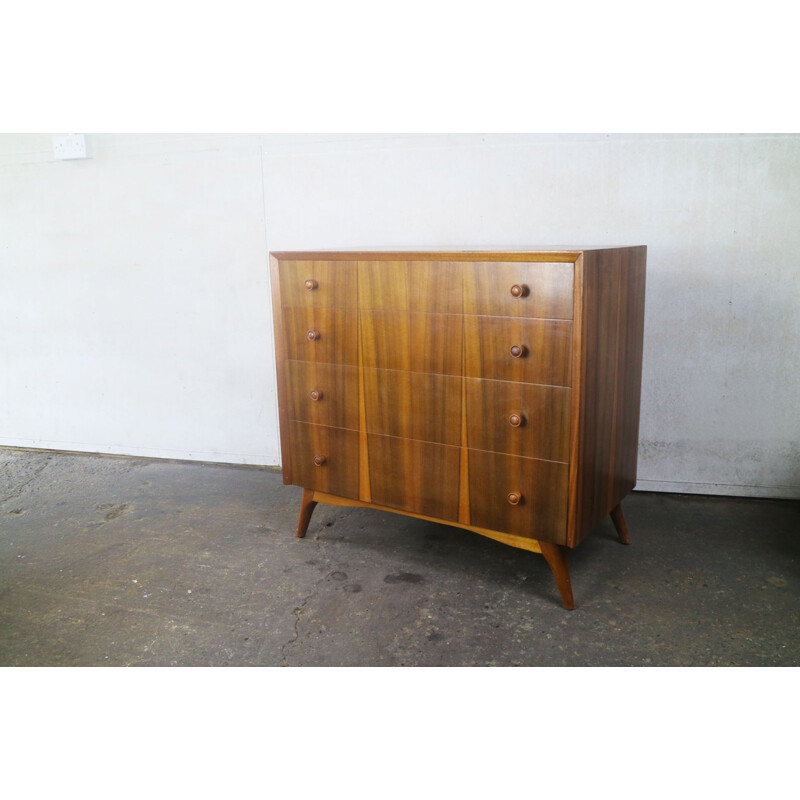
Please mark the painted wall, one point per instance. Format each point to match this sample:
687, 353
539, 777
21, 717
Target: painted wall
134, 297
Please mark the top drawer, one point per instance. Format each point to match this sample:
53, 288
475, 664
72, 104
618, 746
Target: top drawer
519, 289
319, 284
424, 286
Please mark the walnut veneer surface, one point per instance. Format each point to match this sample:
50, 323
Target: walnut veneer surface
494, 391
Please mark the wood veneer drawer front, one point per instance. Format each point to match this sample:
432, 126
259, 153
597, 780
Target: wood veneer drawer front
413, 405
524, 350
409, 340
325, 394
411, 286
414, 476
518, 289
321, 335
318, 284
325, 459
521, 419
522, 496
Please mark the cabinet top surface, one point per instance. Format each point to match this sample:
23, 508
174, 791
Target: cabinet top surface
519, 254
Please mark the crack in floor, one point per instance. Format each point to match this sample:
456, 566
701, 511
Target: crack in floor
298, 610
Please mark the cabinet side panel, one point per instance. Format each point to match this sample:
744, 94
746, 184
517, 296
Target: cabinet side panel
280, 368
612, 322
630, 374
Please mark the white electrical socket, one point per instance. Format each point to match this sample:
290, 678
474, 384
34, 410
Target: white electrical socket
70, 145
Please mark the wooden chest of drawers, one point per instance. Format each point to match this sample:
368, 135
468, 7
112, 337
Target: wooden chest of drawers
493, 391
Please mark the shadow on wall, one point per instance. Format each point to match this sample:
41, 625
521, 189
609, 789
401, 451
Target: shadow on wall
773, 467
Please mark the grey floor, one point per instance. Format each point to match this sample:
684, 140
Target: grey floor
123, 561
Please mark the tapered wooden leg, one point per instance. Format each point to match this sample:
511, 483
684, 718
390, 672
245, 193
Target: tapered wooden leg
307, 506
619, 523
557, 559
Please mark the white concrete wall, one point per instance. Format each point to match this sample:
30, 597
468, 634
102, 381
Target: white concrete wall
135, 308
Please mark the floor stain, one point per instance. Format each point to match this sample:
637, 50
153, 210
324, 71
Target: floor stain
115, 512
403, 577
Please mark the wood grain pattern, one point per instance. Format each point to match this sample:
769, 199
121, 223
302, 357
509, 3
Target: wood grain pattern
413, 405
339, 448
548, 346
610, 364
463, 475
576, 427
415, 341
364, 487
336, 388
562, 254
542, 514
335, 281
413, 475
629, 372
544, 414
435, 287
338, 335
506, 538
545, 289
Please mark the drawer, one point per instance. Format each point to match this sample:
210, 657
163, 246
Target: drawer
325, 394
413, 405
325, 459
415, 476
412, 341
435, 287
321, 335
517, 289
522, 496
318, 284
543, 347
522, 419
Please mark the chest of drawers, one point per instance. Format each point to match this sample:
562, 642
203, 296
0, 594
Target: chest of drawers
493, 391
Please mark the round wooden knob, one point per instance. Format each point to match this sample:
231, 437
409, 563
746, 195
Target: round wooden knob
518, 350
312, 336
319, 460
515, 420
518, 290
311, 284
315, 394
515, 498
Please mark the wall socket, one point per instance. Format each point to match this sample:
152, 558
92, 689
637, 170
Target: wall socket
71, 145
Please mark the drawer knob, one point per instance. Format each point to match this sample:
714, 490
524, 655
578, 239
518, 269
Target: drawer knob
319, 461
315, 394
515, 498
519, 290
515, 420
312, 336
518, 350
311, 284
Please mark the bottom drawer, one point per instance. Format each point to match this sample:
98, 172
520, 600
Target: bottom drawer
522, 496
415, 476
325, 459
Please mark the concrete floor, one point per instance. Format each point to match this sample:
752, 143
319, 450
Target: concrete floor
124, 561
